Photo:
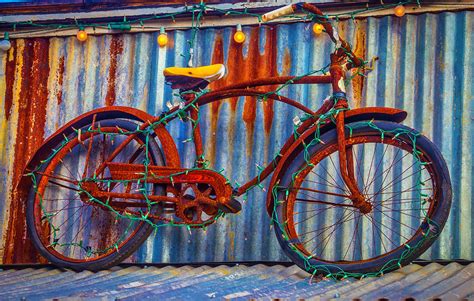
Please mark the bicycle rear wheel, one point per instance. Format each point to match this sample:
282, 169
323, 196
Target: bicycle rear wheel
399, 171
74, 229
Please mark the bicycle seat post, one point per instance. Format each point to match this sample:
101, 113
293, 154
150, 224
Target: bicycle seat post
197, 138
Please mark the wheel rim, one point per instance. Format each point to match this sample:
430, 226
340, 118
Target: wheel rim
70, 228
317, 221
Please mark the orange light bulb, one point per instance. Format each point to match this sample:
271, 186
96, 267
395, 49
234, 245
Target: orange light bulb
318, 28
399, 10
239, 35
81, 35
162, 40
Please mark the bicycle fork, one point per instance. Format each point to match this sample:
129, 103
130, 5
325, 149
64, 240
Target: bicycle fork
346, 155
346, 166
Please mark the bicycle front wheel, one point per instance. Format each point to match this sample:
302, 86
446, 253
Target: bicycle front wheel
399, 171
71, 227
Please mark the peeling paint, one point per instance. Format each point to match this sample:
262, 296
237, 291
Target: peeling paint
116, 49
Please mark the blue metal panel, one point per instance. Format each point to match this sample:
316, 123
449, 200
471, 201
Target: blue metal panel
425, 68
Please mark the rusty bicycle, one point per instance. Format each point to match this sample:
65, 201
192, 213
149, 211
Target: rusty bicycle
357, 177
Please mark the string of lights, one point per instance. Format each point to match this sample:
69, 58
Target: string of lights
196, 12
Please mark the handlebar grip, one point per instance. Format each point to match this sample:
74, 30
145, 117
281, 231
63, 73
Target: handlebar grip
285, 10
319, 17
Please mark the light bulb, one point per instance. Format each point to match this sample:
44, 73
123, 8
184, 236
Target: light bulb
399, 10
81, 35
162, 38
318, 28
239, 35
5, 45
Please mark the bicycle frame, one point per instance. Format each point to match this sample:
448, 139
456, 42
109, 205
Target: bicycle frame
250, 88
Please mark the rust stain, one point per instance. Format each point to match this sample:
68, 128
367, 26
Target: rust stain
256, 66
10, 78
217, 58
341, 30
285, 70
116, 49
250, 71
359, 51
60, 77
235, 61
240, 68
269, 67
243, 68
33, 98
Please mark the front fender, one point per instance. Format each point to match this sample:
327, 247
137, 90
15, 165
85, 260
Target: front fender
168, 146
360, 114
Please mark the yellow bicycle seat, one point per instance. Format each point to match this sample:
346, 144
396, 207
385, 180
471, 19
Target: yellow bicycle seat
192, 78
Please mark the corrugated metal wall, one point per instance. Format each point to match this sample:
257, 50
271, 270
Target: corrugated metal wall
425, 67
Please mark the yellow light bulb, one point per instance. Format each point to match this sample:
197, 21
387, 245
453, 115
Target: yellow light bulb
239, 37
162, 39
399, 10
81, 35
318, 28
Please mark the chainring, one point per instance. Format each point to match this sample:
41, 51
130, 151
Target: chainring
197, 204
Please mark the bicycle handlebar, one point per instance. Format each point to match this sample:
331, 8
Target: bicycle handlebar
289, 9
282, 11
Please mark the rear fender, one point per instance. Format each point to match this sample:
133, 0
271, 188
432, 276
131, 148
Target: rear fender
355, 115
168, 146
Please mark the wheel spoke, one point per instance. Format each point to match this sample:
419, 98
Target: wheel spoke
338, 174
343, 219
376, 169
324, 192
326, 203
89, 149
374, 224
353, 236
370, 169
333, 184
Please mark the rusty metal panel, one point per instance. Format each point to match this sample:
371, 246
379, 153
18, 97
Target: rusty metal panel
425, 67
238, 282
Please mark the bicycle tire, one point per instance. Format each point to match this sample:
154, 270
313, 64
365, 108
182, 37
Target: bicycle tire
361, 135
39, 232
